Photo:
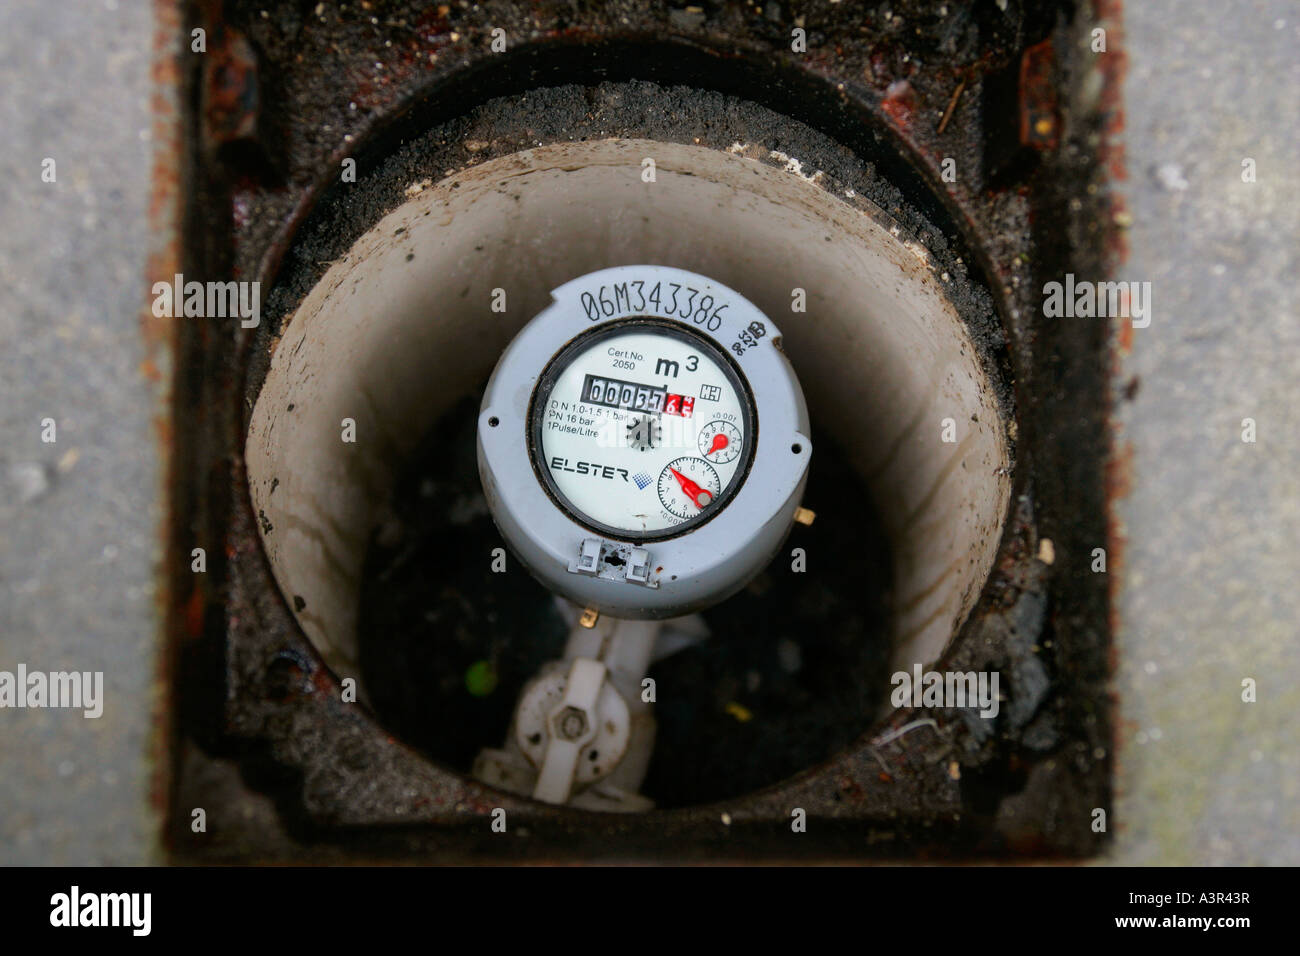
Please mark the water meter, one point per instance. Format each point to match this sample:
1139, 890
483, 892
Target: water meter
643, 442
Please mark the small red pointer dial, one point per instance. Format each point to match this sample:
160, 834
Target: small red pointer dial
699, 497
719, 442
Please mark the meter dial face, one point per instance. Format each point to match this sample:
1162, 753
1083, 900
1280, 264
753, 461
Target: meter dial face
641, 429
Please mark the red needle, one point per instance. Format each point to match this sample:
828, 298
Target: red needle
719, 443
699, 497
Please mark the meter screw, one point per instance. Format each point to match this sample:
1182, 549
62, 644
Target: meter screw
571, 724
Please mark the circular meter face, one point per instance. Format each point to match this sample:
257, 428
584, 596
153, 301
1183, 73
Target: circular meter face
642, 430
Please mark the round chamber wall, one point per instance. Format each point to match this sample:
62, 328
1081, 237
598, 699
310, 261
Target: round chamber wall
401, 328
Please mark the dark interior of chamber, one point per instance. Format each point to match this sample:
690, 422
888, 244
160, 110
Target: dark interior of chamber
794, 669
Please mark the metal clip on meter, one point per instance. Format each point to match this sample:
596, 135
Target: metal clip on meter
643, 446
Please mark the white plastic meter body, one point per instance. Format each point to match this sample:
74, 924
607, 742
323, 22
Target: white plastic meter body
643, 442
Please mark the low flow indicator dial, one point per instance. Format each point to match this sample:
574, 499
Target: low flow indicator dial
643, 442
720, 442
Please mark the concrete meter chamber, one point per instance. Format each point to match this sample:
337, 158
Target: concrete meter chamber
889, 187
